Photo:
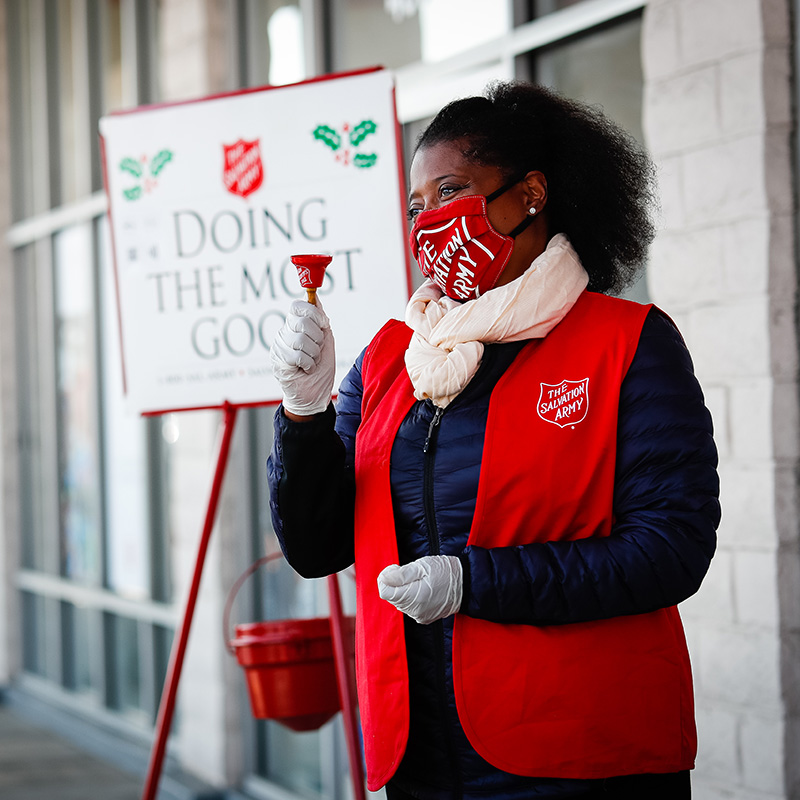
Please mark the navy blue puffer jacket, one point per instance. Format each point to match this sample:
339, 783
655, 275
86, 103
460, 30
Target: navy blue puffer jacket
665, 506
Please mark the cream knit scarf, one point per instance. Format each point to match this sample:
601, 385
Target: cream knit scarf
447, 346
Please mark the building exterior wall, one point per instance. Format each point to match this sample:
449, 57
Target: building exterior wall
718, 120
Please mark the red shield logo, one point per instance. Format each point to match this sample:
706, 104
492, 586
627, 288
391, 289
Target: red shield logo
564, 403
243, 171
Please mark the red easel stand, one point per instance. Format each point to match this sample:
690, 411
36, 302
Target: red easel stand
169, 694
344, 681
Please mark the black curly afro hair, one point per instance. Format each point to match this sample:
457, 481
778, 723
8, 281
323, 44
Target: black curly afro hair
600, 181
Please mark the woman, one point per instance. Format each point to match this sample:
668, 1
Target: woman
524, 473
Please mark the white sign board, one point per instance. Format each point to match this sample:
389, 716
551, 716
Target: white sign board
209, 199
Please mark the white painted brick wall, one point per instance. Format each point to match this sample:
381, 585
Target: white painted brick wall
687, 265
761, 759
690, 95
748, 506
717, 116
741, 90
738, 667
731, 340
712, 30
721, 792
718, 403
746, 243
751, 420
715, 599
724, 181
718, 749
670, 184
755, 575
661, 32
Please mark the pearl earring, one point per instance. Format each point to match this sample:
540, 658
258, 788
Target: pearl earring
531, 210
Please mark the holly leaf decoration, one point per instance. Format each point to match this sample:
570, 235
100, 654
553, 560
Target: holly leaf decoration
328, 136
132, 194
131, 165
365, 160
361, 131
160, 161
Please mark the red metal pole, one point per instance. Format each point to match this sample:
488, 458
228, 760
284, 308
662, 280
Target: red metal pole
169, 693
346, 694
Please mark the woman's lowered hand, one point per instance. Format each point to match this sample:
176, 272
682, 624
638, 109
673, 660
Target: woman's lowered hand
304, 360
427, 589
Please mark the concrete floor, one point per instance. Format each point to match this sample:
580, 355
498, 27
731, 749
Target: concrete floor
38, 765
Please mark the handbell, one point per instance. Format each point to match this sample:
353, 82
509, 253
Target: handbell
311, 271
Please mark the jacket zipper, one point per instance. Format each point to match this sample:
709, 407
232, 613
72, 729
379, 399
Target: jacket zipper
437, 418
434, 543
427, 481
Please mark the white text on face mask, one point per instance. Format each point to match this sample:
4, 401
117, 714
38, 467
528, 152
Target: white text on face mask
439, 265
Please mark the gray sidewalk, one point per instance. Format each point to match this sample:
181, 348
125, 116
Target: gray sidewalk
36, 764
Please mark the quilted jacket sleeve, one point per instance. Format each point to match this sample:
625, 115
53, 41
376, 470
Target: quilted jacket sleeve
665, 504
311, 480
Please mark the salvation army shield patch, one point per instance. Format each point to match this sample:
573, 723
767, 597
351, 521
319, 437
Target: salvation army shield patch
564, 403
243, 170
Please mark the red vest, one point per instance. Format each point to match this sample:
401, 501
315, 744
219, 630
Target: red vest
584, 700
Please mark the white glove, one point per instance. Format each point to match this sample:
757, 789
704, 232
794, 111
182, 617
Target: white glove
427, 589
303, 359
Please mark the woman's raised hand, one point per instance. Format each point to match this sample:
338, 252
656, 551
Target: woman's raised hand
303, 359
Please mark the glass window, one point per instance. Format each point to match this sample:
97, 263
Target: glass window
111, 57
365, 34
81, 654
22, 99
549, 6
285, 31
33, 633
123, 646
448, 27
603, 68
274, 51
125, 471
68, 156
292, 760
394, 33
79, 472
127, 656
34, 543
41, 636
86, 511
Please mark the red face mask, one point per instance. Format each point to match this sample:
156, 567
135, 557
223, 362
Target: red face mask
457, 247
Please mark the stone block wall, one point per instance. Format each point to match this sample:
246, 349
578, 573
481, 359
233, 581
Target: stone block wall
718, 120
